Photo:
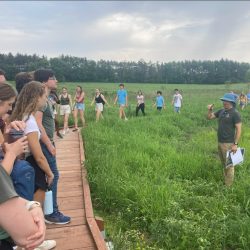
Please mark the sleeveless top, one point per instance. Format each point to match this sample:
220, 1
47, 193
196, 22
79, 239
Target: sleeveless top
98, 99
64, 100
78, 96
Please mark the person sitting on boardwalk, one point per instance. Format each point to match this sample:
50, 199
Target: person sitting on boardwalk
45, 121
159, 102
65, 108
79, 106
229, 131
31, 98
140, 103
99, 99
122, 99
177, 101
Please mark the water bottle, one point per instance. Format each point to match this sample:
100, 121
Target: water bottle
48, 203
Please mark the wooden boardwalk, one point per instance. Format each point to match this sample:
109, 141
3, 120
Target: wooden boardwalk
74, 199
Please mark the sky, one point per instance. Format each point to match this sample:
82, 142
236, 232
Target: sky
154, 31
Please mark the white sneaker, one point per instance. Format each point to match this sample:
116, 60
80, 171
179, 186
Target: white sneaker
63, 133
125, 119
46, 245
67, 130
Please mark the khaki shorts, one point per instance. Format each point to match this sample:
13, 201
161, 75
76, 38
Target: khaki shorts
222, 149
65, 109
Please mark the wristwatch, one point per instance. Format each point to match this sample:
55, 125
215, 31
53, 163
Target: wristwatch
32, 204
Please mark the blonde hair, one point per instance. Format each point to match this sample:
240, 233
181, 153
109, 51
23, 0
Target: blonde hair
27, 100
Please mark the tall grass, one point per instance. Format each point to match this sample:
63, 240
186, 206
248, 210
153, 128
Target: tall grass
158, 178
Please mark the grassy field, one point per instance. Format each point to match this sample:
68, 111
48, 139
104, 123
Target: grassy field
157, 180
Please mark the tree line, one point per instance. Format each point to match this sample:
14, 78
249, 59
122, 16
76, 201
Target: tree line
78, 69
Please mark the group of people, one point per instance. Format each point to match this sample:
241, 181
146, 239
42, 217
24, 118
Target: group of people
28, 166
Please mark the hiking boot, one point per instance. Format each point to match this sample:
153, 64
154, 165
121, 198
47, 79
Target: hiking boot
46, 245
57, 218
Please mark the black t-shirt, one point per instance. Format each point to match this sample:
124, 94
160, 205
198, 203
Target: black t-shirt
227, 119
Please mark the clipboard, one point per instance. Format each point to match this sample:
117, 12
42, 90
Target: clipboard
234, 159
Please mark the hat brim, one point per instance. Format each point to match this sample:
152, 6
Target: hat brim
227, 100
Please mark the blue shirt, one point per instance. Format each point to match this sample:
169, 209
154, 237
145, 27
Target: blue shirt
122, 94
159, 101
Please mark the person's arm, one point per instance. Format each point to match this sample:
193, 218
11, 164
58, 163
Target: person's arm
116, 98
12, 151
210, 113
37, 152
103, 98
126, 100
237, 137
44, 138
21, 224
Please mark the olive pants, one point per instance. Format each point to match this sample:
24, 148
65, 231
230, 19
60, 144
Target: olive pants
229, 171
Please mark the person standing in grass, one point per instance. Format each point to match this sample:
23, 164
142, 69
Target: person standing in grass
177, 101
2, 76
242, 100
79, 106
122, 99
65, 108
140, 103
159, 103
99, 100
229, 131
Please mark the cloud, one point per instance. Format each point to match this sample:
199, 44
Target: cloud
127, 30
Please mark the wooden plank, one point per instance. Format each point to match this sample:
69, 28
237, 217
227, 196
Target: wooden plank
70, 203
71, 237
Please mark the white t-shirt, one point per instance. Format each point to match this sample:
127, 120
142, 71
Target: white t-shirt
177, 98
140, 99
31, 126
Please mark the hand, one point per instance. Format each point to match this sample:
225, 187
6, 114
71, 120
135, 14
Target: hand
52, 149
210, 107
50, 178
17, 125
18, 147
234, 148
37, 238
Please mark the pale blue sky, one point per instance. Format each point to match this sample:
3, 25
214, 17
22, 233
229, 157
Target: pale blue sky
126, 30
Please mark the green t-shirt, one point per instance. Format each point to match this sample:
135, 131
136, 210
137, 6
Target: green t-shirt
48, 120
7, 192
227, 119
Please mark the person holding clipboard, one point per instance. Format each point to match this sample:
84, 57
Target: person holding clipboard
229, 131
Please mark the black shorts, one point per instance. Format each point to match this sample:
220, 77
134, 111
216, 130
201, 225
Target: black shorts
159, 108
40, 177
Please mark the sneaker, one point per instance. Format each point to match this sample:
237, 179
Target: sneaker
75, 129
57, 218
67, 130
46, 245
125, 119
63, 133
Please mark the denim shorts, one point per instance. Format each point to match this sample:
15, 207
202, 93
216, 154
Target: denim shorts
80, 106
23, 177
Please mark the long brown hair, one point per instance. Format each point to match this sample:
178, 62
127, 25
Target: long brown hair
6, 92
27, 101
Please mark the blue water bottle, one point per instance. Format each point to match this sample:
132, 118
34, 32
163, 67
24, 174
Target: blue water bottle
48, 203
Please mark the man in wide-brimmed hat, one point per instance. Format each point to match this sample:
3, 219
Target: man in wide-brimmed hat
229, 131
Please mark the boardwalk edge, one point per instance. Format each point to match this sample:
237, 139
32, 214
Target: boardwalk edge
96, 234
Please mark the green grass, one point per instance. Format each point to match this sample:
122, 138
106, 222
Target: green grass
157, 180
